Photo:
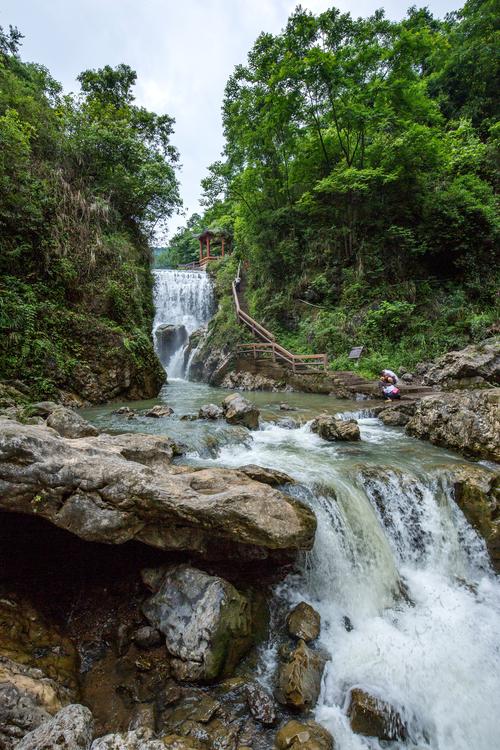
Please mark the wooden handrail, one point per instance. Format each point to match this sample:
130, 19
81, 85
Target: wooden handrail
269, 344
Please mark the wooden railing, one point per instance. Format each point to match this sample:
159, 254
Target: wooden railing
194, 266
267, 345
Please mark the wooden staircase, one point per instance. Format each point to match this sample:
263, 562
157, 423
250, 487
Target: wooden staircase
266, 345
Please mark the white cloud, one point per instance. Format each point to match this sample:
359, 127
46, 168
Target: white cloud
183, 51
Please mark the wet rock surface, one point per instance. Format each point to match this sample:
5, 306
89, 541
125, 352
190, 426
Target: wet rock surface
373, 717
98, 495
160, 410
465, 421
70, 729
331, 428
307, 735
210, 411
304, 622
238, 410
206, 622
266, 476
299, 681
477, 493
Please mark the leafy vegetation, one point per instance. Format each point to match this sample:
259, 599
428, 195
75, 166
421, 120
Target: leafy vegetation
84, 180
359, 180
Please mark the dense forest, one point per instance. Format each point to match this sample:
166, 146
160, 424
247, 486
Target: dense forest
84, 181
358, 180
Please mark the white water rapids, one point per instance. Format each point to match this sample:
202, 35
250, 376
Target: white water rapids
182, 298
409, 604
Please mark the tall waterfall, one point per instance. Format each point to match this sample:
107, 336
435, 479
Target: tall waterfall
184, 302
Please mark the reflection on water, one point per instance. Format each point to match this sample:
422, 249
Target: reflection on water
393, 553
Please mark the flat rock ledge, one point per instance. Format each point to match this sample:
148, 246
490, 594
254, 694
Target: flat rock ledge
89, 488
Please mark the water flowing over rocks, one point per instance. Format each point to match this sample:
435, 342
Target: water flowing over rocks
330, 428
465, 421
238, 410
90, 490
373, 717
207, 623
169, 338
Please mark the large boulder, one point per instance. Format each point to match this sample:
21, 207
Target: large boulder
70, 424
206, 622
331, 428
70, 729
397, 414
238, 410
477, 492
374, 717
307, 735
300, 678
267, 476
304, 622
465, 421
94, 492
476, 365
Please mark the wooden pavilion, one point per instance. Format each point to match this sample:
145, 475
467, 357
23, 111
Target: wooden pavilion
212, 245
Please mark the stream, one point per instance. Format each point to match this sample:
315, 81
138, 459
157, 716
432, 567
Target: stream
394, 560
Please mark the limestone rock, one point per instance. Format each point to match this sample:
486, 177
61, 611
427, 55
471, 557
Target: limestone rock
238, 410
300, 678
210, 411
206, 622
125, 411
42, 408
477, 492
465, 421
92, 491
137, 739
330, 428
476, 365
307, 735
160, 410
261, 704
70, 424
304, 622
397, 414
70, 729
155, 451
248, 381
266, 476
373, 717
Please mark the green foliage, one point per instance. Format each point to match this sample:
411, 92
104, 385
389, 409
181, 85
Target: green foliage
359, 175
83, 182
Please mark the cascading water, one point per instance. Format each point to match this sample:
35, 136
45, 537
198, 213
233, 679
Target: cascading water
409, 605
184, 302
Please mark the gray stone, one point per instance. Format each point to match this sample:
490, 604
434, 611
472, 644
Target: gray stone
476, 364
206, 622
465, 421
210, 411
69, 424
70, 729
332, 429
160, 410
137, 739
92, 491
238, 410
155, 451
147, 637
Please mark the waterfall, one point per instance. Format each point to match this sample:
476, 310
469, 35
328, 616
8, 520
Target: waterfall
184, 302
395, 558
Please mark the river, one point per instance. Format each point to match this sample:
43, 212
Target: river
393, 554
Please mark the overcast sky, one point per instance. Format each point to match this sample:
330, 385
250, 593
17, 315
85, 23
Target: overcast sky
183, 52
